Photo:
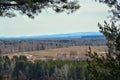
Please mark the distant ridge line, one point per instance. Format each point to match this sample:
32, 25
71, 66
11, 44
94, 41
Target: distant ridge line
63, 35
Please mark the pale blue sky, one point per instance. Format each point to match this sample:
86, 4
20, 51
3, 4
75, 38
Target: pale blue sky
48, 22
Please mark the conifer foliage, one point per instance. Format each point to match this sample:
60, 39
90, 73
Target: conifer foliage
34, 7
107, 67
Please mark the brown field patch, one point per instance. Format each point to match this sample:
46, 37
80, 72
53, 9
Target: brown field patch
79, 51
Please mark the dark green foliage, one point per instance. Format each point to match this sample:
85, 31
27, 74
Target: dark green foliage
34, 7
20, 68
115, 5
5, 67
112, 34
107, 67
103, 68
24, 58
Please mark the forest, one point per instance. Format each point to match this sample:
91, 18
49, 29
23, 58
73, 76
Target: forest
25, 45
20, 68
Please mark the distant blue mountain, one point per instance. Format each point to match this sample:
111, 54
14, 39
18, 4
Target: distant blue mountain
72, 35
80, 35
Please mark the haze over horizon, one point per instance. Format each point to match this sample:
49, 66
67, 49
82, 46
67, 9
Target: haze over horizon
58, 35
49, 22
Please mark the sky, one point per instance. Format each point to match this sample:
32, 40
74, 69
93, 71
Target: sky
49, 22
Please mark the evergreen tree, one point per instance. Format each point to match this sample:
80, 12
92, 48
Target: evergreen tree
107, 67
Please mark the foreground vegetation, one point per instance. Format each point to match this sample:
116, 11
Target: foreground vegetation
20, 68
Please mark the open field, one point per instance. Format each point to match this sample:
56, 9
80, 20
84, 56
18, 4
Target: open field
74, 52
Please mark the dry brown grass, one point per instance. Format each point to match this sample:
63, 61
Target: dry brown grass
53, 53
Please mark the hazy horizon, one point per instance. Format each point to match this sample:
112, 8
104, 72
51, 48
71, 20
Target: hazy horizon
44, 35
49, 22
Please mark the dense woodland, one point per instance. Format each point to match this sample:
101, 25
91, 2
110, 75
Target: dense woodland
20, 68
23, 45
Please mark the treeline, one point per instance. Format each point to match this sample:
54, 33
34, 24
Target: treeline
20, 68
16, 45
